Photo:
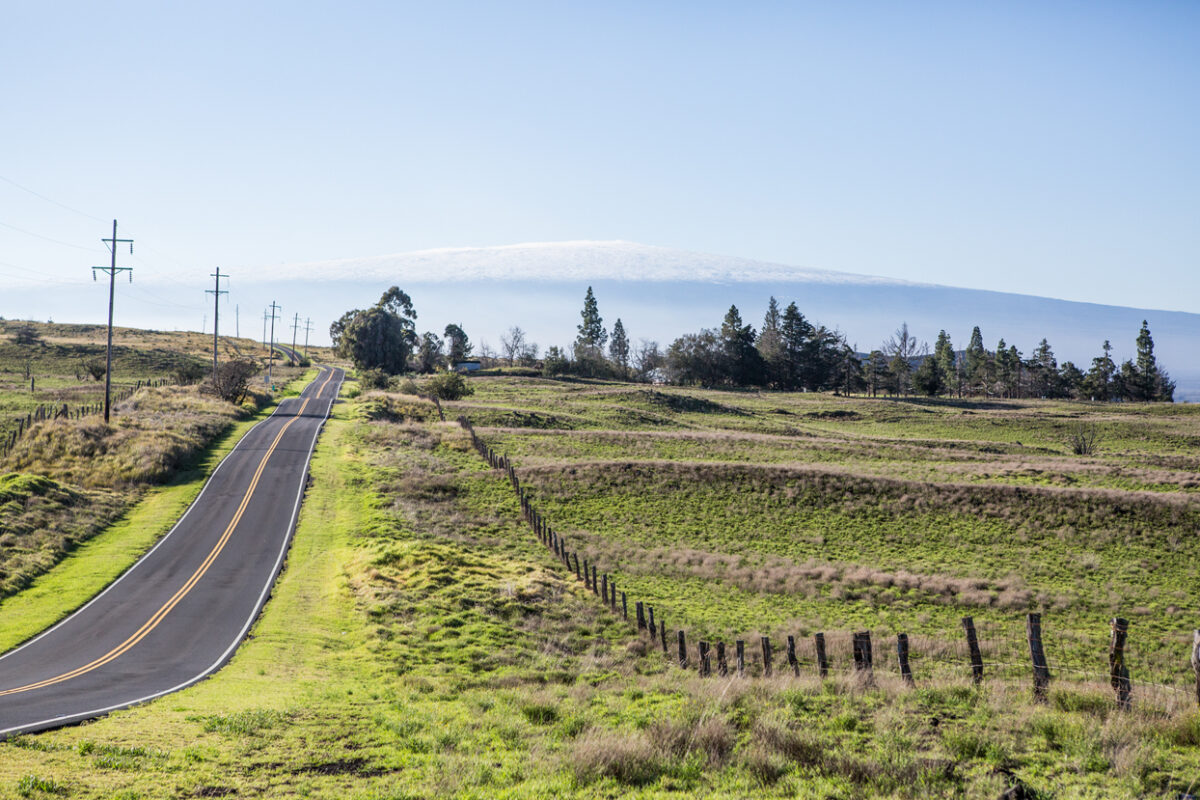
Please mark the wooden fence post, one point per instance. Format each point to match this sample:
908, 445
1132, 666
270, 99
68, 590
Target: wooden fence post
624, 607
793, 662
587, 575
705, 662
766, 651
1041, 672
822, 661
722, 664
683, 662
902, 657
968, 625
1117, 669
741, 658
604, 588
1196, 661
612, 595
640, 610
595, 580
576, 557
662, 633
862, 650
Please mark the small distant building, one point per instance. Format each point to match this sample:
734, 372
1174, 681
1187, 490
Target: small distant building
467, 366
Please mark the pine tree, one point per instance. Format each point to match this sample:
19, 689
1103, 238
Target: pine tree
743, 365
591, 329
770, 345
944, 357
1097, 384
928, 378
618, 348
975, 358
796, 331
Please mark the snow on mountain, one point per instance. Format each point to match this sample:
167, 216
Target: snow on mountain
570, 262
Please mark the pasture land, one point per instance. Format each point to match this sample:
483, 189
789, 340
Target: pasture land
422, 643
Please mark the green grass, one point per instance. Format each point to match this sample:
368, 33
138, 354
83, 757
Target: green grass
420, 643
97, 561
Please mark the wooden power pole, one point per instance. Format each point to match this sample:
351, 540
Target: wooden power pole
112, 270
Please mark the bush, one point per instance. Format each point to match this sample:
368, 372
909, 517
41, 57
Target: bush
448, 386
373, 379
231, 382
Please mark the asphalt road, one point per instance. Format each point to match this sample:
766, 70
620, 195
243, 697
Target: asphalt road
178, 614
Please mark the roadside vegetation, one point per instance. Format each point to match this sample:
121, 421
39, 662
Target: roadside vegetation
421, 643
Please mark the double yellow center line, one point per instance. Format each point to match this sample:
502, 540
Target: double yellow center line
152, 623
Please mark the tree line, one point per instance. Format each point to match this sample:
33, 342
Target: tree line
788, 352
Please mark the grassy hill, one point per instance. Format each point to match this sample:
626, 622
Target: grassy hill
421, 641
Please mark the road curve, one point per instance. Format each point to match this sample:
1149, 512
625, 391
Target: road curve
178, 614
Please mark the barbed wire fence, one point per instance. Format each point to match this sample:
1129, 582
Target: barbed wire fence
1112, 668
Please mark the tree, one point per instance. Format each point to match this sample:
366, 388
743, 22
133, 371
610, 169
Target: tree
1043, 371
876, 372
770, 345
975, 362
902, 348
1070, 380
695, 358
741, 363
429, 353
928, 378
458, 346
26, 334
591, 328
381, 337
555, 363
1097, 384
618, 348
850, 369
648, 362
944, 356
231, 382
448, 386
512, 344
1008, 365
796, 332
1147, 382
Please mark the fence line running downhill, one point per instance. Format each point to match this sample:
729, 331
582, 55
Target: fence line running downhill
985, 651
48, 411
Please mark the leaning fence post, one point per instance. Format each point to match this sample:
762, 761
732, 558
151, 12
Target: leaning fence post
1117, 669
766, 651
973, 648
741, 658
683, 662
822, 661
1041, 672
722, 664
902, 657
1196, 661
793, 662
705, 662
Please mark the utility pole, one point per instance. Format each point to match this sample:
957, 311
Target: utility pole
307, 330
271, 355
216, 292
295, 327
112, 271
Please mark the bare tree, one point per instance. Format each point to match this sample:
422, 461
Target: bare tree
512, 344
647, 359
901, 348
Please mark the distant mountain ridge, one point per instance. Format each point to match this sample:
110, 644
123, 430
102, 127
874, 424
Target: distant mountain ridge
569, 261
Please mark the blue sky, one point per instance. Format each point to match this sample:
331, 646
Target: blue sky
1043, 148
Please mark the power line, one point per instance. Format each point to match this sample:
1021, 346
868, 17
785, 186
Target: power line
49, 200
47, 238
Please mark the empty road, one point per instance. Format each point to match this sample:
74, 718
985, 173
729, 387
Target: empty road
180, 612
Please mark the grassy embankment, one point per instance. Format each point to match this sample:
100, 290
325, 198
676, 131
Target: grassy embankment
421, 644
69, 480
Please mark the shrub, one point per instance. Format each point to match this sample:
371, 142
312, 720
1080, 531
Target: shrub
231, 382
448, 386
1082, 439
373, 379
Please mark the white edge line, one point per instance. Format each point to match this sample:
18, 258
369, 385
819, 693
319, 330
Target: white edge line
149, 552
32, 727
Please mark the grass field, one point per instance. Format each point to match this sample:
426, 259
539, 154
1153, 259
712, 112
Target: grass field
421, 643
